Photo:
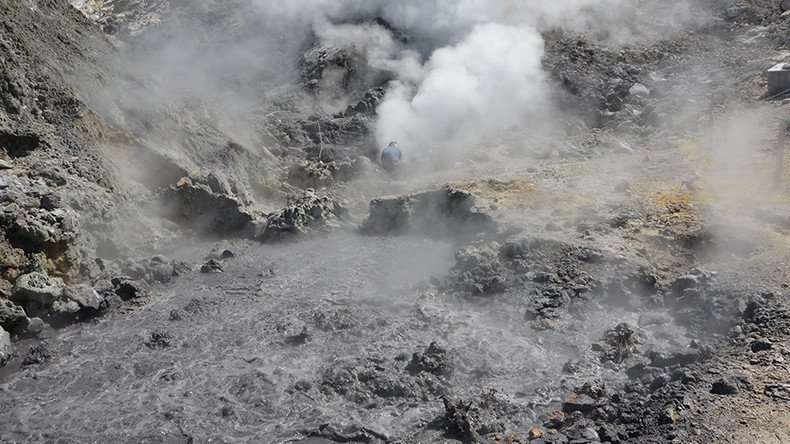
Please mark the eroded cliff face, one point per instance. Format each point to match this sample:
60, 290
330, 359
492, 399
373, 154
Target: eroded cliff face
87, 178
59, 187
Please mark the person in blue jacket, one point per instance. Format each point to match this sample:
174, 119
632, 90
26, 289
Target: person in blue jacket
391, 157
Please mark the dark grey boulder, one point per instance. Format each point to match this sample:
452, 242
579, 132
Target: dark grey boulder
732, 385
725, 386
130, 289
33, 327
11, 315
759, 345
199, 207
37, 287
445, 213
212, 266
84, 296
308, 213
581, 403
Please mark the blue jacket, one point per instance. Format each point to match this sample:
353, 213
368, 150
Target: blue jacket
391, 154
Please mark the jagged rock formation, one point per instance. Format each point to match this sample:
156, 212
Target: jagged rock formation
447, 212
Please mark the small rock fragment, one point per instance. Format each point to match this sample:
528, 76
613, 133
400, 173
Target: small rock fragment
639, 90
38, 354
212, 266
578, 403
433, 360
732, 385
759, 345
159, 340
555, 420
34, 327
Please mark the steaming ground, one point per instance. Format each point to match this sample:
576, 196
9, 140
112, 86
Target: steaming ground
231, 366
232, 370
230, 351
654, 206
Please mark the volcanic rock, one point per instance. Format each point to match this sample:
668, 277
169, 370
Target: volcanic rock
584, 432
39, 354
434, 360
159, 269
5, 347
446, 213
199, 207
130, 289
461, 419
639, 90
84, 296
319, 174
579, 402
731, 385
37, 287
218, 254
11, 315
619, 344
308, 213
33, 327
159, 340
331, 433
479, 271
64, 308
555, 420
759, 345
684, 357
212, 266
725, 386
300, 338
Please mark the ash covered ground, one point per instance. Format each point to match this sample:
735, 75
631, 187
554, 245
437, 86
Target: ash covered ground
586, 241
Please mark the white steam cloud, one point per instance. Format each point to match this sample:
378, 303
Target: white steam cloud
472, 68
462, 70
489, 82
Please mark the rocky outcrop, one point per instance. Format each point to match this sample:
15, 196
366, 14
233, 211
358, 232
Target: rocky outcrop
198, 206
38, 294
445, 213
332, 69
37, 291
307, 174
307, 213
